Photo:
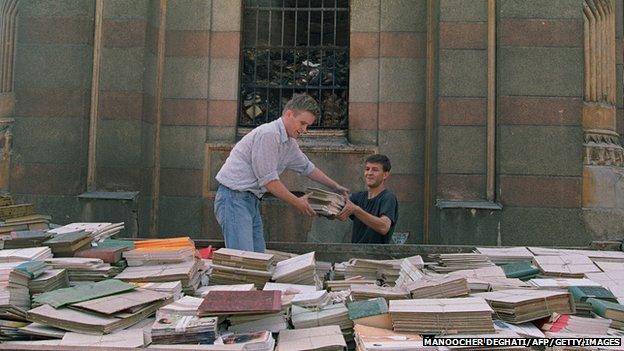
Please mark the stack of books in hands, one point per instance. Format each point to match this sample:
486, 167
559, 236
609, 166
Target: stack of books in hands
325, 203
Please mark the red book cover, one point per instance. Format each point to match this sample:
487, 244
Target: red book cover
241, 302
108, 255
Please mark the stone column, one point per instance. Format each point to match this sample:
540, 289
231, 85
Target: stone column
8, 21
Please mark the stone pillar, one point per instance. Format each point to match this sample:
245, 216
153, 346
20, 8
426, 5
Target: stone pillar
8, 21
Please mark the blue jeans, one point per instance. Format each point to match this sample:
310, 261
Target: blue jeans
238, 214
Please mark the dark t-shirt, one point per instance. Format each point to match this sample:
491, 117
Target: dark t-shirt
385, 203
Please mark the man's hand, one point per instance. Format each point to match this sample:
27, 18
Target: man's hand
342, 190
303, 206
347, 210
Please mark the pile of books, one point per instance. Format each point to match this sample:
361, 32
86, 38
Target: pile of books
364, 292
257, 341
326, 338
373, 313
186, 272
568, 266
610, 310
68, 243
49, 280
565, 323
523, 270
346, 284
612, 280
23, 239
175, 328
97, 231
14, 294
460, 261
336, 314
15, 217
430, 287
173, 288
581, 294
440, 316
84, 269
297, 270
204, 290
241, 302
325, 203
231, 266
25, 254
504, 255
521, 305
160, 251
369, 338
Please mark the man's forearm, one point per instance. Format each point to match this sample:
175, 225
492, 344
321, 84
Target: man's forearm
318, 176
277, 188
379, 225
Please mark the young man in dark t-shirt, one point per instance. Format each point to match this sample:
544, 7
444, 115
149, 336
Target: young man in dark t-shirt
374, 212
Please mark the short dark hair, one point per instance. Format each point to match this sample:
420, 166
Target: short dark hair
303, 102
383, 160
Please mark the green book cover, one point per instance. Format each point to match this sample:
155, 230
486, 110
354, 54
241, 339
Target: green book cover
601, 307
520, 269
582, 293
367, 308
114, 243
65, 296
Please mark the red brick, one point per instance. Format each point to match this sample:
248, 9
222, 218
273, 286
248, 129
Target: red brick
400, 116
185, 112
124, 33
527, 110
541, 191
47, 179
55, 30
363, 115
403, 44
121, 105
463, 111
185, 43
364, 45
461, 186
540, 32
407, 187
225, 45
463, 35
181, 182
52, 103
222, 113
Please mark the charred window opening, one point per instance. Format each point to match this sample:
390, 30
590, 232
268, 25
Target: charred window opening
294, 46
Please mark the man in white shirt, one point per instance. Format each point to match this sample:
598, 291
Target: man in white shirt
254, 167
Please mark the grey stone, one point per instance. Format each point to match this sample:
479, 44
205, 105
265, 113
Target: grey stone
182, 147
186, 77
404, 148
543, 226
463, 73
540, 150
404, 15
56, 8
365, 15
402, 80
229, 16
119, 143
124, 9
53, 66
462, 149
540, 9
190, 14
364, 80
540, 71
49, 140
223, 79
122, 69
463, 10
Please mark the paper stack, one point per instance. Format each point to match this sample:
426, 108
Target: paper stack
176, 328
23, 218
580, 294
26, 254
230, 266
68, 243
240, 302
326, 338
339, 285
594, 255
568, 266
14, 295
460, 261
438, 316
430, 287
84, 269
101, 315
49, 280
297, 270
609, 310
612, 280
204, 290
523, 270
325, 203
479, 280
409, 273
185, 306
314, 299
560, 283
337, 314
373, 313
24, 239
364, 292
256, 341
172, 288
504, 255
97, 231
112, 255
157, 251
564, 323
391, 270
521, 305
248, 323
186, 272
369, 338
